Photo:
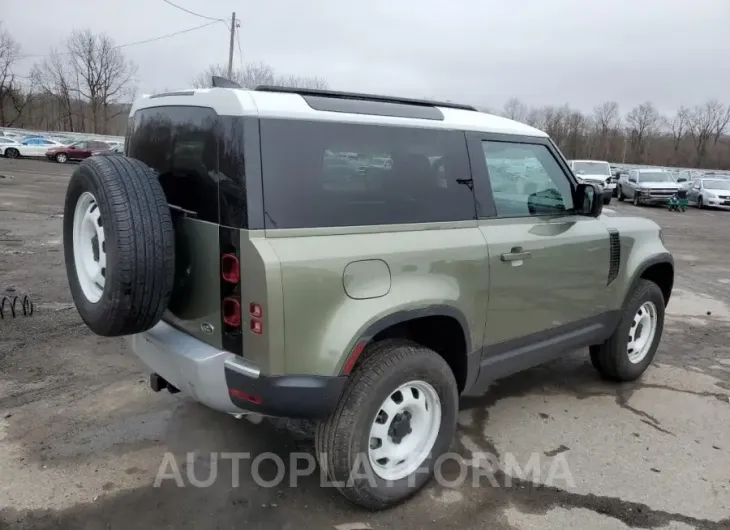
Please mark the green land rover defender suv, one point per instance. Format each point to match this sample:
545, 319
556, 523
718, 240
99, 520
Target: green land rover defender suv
358, 261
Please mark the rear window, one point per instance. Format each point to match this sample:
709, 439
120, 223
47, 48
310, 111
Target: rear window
198, 156
326, 174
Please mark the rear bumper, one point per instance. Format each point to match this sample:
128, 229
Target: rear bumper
228, 383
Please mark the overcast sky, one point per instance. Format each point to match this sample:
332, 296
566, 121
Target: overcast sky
482, 52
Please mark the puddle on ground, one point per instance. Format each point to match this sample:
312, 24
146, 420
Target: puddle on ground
693, 306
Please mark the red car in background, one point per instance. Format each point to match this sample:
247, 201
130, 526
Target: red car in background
76, 151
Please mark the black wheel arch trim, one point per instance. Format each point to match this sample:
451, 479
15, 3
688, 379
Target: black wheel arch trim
438, 310
664, 257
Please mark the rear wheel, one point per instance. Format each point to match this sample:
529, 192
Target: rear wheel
630, 350
11, 152
396, 417
119, 245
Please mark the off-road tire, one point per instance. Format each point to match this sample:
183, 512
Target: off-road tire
140, 245
344, 435
611, 358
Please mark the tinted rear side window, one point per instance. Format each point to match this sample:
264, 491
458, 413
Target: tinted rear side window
322, 174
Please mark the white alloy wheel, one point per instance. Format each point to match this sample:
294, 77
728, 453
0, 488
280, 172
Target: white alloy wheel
62, 158
89, 247
404, 430
642, 332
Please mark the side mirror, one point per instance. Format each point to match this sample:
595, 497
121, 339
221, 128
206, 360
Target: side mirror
589, 199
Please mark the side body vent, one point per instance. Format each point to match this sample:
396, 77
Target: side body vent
615, 254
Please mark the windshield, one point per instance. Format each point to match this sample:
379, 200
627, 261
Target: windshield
655, 176
591, 168
716, 184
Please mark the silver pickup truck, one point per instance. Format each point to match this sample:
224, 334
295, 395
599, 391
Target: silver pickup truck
647, 186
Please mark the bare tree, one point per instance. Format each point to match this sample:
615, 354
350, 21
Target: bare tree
106, 77
643, 121
704, 121
678, 127
514, 109
257, 74
607, 119
55, 80
721, 124
12, 99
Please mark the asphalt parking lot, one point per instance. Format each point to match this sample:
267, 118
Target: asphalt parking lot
82, 437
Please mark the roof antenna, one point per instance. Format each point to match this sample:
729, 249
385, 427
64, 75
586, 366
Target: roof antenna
222, 82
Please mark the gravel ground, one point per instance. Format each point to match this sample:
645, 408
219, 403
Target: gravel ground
82, 438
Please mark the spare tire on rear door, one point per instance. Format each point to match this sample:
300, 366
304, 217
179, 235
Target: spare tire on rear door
119, 245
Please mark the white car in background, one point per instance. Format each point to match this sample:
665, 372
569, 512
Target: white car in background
595, 172
31, 147
6, 142
712, 192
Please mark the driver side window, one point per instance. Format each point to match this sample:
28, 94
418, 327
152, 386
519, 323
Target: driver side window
526, 180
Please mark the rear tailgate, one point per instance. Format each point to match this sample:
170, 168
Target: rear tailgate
183, 144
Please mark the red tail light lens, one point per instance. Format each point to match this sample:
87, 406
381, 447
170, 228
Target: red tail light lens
230, 268
231, 311
256, 310
257, 327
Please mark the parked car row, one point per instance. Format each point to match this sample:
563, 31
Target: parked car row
54, 150
657, 186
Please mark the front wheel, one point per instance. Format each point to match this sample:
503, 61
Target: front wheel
630, 350
637, 202
620, 195
606, 200
396, 417
61, 158
700, 203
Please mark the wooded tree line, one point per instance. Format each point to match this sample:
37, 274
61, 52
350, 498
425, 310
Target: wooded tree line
87, 84
692, 137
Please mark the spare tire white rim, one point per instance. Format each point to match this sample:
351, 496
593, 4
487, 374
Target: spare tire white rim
404, 430
642, 332
89, 247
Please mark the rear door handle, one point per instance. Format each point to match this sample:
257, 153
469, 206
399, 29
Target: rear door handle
516, 254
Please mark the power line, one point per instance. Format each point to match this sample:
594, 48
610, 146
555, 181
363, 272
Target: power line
146, 41
192, 12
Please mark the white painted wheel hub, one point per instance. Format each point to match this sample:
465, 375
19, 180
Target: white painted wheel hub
404, 430
642, 332
89, 247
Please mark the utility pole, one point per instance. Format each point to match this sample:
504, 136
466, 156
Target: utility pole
230, 51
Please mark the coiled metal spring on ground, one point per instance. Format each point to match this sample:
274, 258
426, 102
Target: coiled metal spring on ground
14, 306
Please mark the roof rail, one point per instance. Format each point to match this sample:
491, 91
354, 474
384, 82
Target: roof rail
362, 97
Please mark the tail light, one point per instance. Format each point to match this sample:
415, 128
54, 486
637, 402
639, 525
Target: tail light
231, 311
230, 268
256, 312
